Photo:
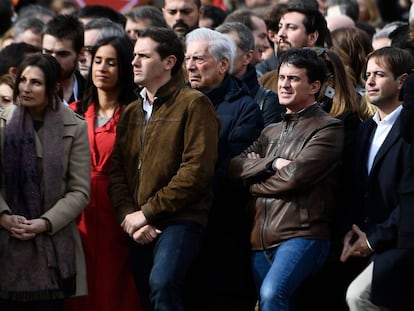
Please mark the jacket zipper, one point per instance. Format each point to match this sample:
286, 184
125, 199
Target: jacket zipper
282, 138
142, 140
263, 225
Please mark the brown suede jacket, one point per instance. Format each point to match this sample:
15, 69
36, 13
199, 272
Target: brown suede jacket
296, 200
269, 80
165, 166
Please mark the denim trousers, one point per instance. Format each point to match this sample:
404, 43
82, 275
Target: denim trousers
279, 271
161, 267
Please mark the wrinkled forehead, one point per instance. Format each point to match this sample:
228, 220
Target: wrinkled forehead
180, 4
197, 47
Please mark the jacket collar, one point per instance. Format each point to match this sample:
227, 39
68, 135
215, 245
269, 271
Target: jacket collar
67, 114
164, 93
6, 113
229, 90
304, 113
250, 79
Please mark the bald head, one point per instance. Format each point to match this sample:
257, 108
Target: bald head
337, 21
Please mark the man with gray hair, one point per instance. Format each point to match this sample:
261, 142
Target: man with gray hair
245, 71
29, 30
96, 30
258, 28
141, 17
225, 263
382, 37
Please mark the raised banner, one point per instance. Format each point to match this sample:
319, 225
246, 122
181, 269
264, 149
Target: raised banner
121, 6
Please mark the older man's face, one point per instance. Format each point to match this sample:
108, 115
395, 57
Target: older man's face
204, 72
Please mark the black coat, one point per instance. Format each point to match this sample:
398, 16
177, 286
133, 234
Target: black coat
269, 103
378, 206
406, 232
224, 267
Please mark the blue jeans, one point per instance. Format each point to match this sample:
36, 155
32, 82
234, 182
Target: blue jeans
279, 271
165, 263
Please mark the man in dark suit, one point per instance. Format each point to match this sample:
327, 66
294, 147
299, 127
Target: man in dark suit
380, 164
63, 38
406, 232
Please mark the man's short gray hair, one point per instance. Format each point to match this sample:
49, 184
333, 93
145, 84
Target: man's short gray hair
106, 27
246, 39
219, 45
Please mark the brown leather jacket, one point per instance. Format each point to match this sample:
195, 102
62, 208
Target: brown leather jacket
297, 200
165, 166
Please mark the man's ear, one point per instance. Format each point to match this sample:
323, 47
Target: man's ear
272, 35
315, 87
247, 59
224, 65
201, 12
401, 80
169, 62
312, 38
12, 70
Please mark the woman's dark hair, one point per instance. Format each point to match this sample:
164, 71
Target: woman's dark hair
51, 71
124, 52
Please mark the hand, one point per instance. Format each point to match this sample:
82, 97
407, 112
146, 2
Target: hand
16, 225
253, 156
279, 163
134, 221
8, 221
146, 234
359, 248
29, 229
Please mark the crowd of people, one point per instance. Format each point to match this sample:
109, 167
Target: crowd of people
207, 156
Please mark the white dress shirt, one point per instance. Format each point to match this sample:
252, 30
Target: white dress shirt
383, 128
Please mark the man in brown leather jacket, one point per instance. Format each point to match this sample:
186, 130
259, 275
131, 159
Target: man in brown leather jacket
291, 172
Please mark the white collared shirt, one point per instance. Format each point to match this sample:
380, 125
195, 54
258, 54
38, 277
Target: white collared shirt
146, 104
75, 90
383, 128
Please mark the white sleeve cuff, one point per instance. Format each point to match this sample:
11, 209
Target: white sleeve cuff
369, 246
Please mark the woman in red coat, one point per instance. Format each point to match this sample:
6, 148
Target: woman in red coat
110, 87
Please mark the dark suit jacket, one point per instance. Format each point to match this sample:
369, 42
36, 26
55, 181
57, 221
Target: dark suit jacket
406, 232
81, 87
378, 200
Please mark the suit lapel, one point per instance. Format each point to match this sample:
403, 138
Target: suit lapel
389, 141
365, 139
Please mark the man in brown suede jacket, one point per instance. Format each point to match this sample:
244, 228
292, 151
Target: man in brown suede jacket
163, 163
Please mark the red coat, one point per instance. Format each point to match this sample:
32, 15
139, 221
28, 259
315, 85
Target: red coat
110, 281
